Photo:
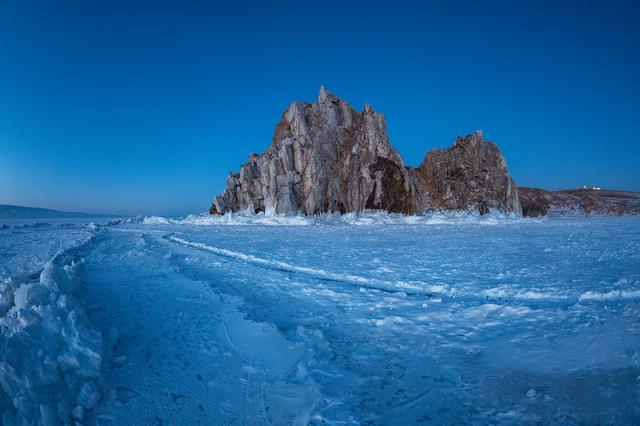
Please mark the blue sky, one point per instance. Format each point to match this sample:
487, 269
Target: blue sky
145, 108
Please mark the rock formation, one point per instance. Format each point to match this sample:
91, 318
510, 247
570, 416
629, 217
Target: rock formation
471, 174
588, 201
328, 157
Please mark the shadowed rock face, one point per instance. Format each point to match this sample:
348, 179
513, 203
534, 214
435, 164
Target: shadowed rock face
540, 202
391, 188
328, 157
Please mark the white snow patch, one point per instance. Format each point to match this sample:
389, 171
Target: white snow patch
610, 295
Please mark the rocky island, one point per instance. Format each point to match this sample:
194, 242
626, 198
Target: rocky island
327, 157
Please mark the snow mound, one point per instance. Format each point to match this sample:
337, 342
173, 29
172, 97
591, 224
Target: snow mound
610, 295
50, 355
368, 218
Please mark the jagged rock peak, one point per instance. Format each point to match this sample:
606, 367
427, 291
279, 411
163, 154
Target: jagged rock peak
476, 136
328, 157
323, 95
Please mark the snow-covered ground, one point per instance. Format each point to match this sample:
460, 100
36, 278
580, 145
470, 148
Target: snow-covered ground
50, 355
356, 319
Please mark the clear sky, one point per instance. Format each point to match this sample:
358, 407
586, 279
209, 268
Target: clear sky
111, 106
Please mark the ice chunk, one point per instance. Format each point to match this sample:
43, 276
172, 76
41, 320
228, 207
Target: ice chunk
89, 395
28, 295
83, 343
78, 412
48, 415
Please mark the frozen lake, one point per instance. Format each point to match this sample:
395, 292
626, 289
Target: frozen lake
361, 319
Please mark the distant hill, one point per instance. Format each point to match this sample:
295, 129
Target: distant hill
19, 212
585, 201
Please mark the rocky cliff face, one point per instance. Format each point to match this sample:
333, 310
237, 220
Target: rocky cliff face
471, 174
540, 202
328, 157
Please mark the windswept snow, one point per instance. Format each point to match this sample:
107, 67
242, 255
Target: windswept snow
346, 320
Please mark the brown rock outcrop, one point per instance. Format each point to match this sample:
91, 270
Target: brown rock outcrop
471, 174
328, 157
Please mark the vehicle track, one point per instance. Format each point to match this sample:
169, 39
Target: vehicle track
175, 362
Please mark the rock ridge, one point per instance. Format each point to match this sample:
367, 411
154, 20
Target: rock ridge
585, 201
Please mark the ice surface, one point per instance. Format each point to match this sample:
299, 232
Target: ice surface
372, 318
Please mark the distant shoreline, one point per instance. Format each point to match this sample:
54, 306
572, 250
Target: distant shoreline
9, 211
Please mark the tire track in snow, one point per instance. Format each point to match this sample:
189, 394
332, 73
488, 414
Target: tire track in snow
174, 371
